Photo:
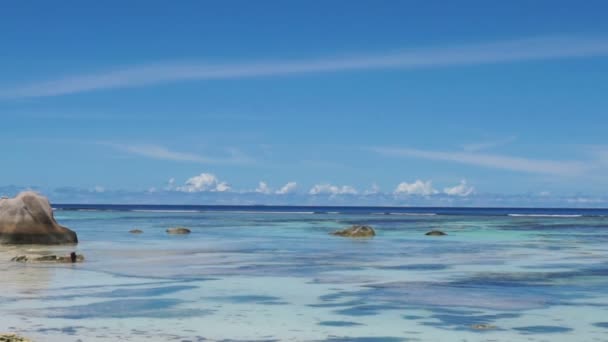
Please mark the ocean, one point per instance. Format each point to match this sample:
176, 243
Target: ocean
271, 273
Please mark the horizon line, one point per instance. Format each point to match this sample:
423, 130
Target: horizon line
326, 206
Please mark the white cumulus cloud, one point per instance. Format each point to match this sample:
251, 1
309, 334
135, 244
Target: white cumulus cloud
204, 182
288, 188
328, 189
462, 189
170, 184
417, 188
263, 188
99, 189
584, 200
374, 190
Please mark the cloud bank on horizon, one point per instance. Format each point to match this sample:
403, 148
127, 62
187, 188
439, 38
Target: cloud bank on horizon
207, 189
208, 182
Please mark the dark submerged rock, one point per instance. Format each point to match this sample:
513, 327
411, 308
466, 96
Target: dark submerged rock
356, 231
483, 326
178, 230
72, 258
46, 258
21, 258
435, 233
28, 219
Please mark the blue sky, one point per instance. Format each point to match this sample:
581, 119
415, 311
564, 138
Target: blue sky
373, 102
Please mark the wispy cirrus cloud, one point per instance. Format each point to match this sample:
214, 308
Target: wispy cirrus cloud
496, 161
164, 153
530, 49
486, 145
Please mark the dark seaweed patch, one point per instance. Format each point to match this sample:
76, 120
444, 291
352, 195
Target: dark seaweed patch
145, 292
416, 267
65, 330
123, 293
466, 322
152, 308
368, 310
252, 299
339, 324
364, 339
339, 305
543, 329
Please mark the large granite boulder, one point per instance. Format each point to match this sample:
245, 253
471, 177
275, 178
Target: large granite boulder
28, 219
356, 231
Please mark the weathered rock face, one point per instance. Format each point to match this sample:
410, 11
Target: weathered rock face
178, 230
12, 338
28, 219
356, 231
136, 231
435, 233
49, 259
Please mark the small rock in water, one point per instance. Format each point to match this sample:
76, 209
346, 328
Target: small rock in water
72, 258
356, 231
136, 231
178, 230
435, 233
483, 326
12, 338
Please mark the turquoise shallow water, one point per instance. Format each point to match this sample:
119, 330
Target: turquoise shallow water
259, 276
